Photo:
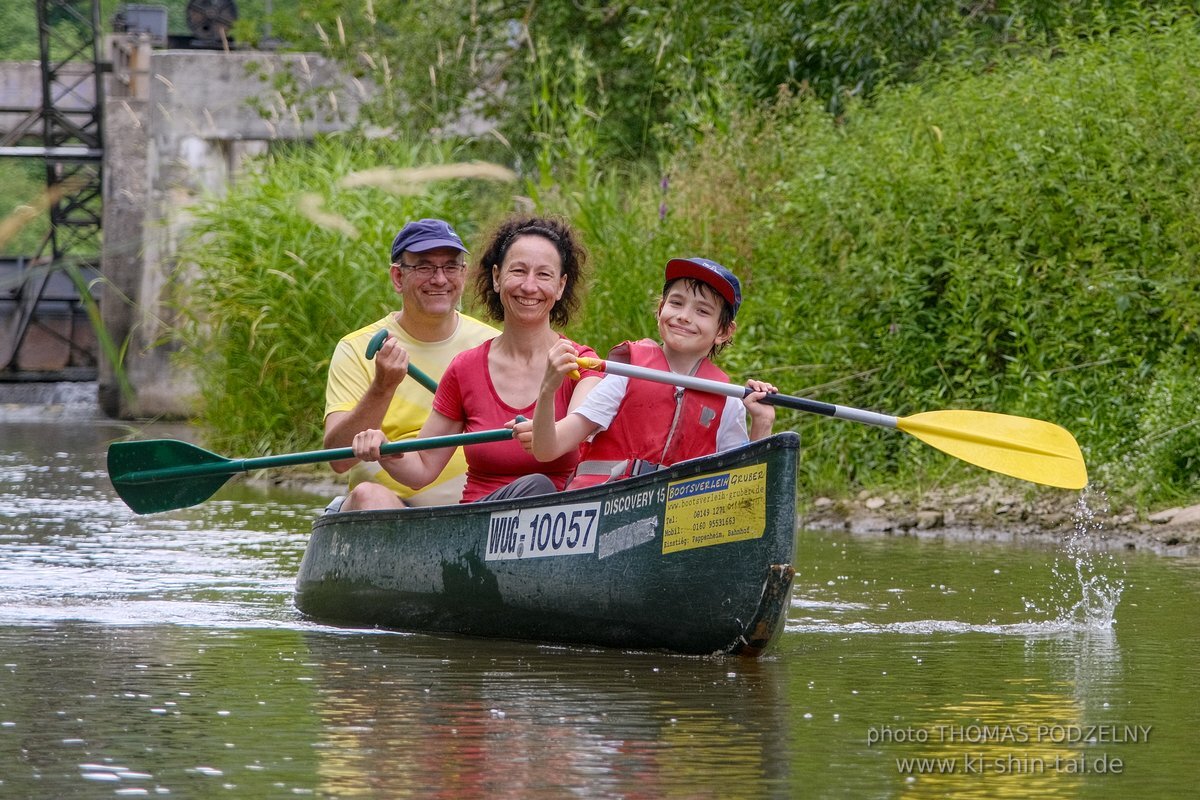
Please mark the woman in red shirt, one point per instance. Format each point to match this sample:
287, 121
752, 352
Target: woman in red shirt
528, 278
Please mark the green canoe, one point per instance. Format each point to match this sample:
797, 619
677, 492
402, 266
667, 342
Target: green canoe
692, 559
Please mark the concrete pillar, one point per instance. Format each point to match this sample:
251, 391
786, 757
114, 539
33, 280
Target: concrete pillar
178, 127
126, 187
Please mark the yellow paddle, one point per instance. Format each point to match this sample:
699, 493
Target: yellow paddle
1029, 449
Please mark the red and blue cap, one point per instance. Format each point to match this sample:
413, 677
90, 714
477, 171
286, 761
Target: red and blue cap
424, 235
711, 274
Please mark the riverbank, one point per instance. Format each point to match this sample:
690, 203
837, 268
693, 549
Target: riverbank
994, 512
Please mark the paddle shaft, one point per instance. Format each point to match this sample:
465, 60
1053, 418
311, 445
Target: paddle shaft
1028, 449
420, 377
231, 466
733, 390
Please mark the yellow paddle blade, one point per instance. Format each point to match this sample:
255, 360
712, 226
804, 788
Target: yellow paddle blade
1030, 449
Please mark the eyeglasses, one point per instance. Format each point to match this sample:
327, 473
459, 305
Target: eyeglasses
425, 269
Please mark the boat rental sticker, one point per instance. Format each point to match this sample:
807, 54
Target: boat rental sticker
539, 532
715, 509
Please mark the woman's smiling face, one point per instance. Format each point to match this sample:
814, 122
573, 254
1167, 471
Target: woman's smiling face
531, 279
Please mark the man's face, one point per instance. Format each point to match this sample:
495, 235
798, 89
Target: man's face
430, 282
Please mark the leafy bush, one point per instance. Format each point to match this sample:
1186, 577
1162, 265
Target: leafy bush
663, 70
1163, 461
1023, 241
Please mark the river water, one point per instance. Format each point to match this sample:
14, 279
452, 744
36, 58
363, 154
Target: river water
162, 655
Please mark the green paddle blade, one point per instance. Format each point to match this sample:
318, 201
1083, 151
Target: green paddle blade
183, 474
164, 474
1030, 449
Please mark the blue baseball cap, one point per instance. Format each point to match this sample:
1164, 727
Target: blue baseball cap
424, 235
711, 274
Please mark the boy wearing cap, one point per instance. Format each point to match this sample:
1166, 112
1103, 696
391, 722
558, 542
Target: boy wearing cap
429, 273
638, 426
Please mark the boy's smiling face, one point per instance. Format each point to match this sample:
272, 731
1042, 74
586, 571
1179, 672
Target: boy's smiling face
689, 319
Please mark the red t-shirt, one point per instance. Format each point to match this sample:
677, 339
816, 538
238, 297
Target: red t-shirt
466, 394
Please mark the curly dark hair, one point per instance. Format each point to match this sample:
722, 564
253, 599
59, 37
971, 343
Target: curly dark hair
555, 230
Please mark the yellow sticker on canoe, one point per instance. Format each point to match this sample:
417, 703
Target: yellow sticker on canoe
716, 509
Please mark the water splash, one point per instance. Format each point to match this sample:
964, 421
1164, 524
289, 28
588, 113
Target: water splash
1087, 580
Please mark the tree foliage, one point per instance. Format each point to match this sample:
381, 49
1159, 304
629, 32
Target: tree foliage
663, 72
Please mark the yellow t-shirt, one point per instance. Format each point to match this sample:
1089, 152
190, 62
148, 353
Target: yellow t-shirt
350, 375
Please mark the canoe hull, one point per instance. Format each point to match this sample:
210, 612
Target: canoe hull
695, 559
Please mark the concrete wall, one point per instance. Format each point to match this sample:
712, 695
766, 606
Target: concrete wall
178, 127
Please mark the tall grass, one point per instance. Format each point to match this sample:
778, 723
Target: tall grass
614, 206
285, 265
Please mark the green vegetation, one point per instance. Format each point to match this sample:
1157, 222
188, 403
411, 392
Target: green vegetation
663, 71
1013, 229
277, 285
25, 183
1023, 241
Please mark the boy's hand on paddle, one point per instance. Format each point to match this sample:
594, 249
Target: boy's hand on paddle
560, 362
759, 411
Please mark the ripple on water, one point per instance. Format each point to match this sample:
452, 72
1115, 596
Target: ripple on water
925, 627
1076, 591
86, 557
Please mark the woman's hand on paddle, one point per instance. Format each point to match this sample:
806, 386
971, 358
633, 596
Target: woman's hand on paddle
391, 365
367, 443
762, 415
523, 432
560, 362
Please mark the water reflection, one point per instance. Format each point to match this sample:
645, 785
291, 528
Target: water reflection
1020, 734
153, 709
510, 721
73, 551
146, 655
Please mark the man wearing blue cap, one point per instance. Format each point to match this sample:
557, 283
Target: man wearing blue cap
628, 427
428, 271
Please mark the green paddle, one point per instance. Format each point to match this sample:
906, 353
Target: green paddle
165, 474
420, 377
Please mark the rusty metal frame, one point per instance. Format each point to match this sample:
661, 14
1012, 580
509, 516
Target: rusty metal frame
72, 146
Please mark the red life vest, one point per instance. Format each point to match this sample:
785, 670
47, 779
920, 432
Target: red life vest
656, 424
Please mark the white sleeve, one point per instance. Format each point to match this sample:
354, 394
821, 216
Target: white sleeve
732, 432
601, 404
